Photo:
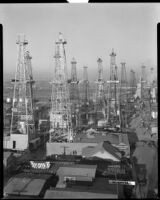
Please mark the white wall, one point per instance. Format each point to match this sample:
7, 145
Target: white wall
58, 148
21, 142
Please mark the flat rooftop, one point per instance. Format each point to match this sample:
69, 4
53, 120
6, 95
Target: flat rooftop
99, 188
26, 184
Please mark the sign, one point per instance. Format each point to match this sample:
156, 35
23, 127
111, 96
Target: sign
40, 165
113, 81
122, 182
114, 169
68, 178
14, 109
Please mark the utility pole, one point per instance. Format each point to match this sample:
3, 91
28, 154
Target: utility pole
100, 97
112, 90
22, 120
60, 114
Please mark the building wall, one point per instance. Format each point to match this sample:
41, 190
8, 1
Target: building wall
53, 194
21, 142
58, 148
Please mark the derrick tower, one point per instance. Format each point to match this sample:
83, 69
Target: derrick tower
123, 96
60, 114
123, 83
132, 82
85, 86
22, 120
100, 97
113, 100
74, 92
143, 73
143, 80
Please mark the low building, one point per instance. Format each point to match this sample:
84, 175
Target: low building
66, 148
118, 140
82, 140
99, 188
83, 173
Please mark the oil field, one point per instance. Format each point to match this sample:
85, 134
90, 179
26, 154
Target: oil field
73, 137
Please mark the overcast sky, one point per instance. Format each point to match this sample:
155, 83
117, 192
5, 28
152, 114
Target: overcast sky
91, 31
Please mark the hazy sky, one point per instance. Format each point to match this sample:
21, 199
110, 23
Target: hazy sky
91, 31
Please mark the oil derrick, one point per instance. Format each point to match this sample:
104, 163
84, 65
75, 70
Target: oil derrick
60, 114
143, 81
85, 97
123, 97
74, 93
100, 97
132, 82
22, 121
85, 86
151, 77
113, 99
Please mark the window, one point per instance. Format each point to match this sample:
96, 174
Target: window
14, 144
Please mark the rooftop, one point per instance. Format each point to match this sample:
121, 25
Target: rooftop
78, 170
114, 138
26, 184
102, 147
56, 194
99, 189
